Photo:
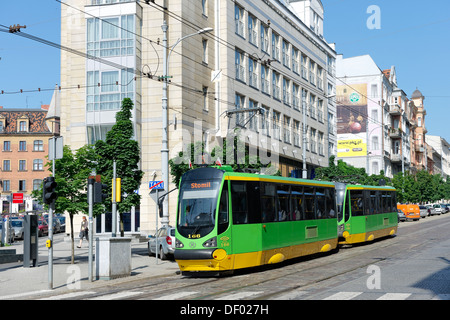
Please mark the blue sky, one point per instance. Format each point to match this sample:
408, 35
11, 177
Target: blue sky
414, 36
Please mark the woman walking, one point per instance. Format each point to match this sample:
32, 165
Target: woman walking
84, 231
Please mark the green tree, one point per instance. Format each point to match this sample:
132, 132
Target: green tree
71, 174
121, 147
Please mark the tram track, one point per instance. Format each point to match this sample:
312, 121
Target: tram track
276, 280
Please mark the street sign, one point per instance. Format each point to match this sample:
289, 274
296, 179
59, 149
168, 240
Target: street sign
57, 144
156, 185
17, 197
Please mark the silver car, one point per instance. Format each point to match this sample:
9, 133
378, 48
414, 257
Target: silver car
437, 209
424, 211
17, 225
166, 243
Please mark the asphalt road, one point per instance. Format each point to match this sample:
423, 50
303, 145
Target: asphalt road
415, 264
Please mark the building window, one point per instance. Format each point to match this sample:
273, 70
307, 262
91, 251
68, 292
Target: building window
253, 73
22, 146
205, 7
276, 85
295, 55
287, 129
37, 184
6, 165
38, 145
295, 96
38, 165
296, 133
114, 87
205, 50
240, 104
6, 145
275, 46
287, 91
321, 146
205, 99
252, 123
109, 37
265, 121
22, 165
285, 54
6, 185
239, 20
253, 30
239, 63
276, 125
265, 80
23, 126
22, 185
313, 140
264, 38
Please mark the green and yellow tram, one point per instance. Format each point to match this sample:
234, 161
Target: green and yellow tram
229, 220
365, 213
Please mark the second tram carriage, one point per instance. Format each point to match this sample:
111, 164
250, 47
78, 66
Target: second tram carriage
229, 220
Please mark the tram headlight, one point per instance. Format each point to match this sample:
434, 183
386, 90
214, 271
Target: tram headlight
178, 244
210, 243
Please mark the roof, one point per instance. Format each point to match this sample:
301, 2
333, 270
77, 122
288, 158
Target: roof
417, 94
36, 120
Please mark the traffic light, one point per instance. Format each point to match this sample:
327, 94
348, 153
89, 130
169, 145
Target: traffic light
100, 192
49, 192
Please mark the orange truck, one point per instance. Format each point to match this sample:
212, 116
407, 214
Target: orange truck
411, 211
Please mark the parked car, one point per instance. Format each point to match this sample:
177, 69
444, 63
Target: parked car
401, 215
424, 211
56, 224
437, 209
445, 208
431, 210
17, 225
43, 227
166, 242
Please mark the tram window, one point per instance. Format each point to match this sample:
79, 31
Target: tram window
330, 202
223, 210
357, 203
386, 201
367, 206
309, 203
347, 207
372, 202
297, 213
254, 202
320, 203
239, 202
268, 204
283, 203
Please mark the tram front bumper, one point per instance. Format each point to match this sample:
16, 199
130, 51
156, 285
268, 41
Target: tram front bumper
203, 260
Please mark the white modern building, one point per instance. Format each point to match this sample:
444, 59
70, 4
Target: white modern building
224, 57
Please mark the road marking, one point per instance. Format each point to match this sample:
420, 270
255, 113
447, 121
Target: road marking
23, 294
176, 296
69, 295
240, 295
343, 296
118, 295
394, 296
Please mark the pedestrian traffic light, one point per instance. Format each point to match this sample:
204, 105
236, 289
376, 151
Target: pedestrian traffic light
49, 192
100, 192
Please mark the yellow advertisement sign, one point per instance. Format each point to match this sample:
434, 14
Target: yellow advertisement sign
352, 148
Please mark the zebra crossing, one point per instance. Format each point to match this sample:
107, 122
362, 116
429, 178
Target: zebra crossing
244, 295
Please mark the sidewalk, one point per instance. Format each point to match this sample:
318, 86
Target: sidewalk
17, 281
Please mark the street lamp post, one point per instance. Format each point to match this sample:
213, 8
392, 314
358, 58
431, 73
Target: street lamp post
165, 127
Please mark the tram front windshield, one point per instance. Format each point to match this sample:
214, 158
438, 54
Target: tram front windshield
197, 208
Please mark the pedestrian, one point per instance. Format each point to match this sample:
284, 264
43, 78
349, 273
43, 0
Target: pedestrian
84, 231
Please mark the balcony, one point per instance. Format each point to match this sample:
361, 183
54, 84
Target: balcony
420, 147
395, 110
395, 133
396, 158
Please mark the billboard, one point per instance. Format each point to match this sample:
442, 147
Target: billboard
352, 148
351, 108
